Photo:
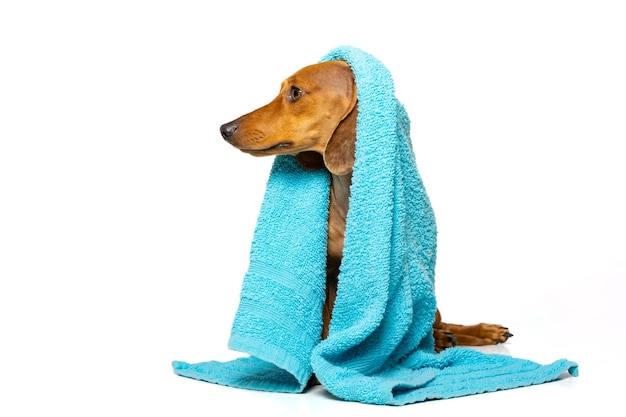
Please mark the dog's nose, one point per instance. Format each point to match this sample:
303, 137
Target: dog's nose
228, 130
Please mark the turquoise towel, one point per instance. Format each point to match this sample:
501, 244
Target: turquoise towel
380, 348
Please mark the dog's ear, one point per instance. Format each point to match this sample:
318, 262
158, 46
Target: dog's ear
339, 153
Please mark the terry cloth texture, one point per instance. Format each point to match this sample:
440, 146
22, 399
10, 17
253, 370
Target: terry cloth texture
380, 348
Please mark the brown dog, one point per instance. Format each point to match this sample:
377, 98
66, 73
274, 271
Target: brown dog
314, 118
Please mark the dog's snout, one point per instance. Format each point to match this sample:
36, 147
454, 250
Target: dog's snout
228, 130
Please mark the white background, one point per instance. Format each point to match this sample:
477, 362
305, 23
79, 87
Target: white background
125, 220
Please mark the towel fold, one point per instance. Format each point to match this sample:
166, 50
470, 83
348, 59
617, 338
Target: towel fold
380, 347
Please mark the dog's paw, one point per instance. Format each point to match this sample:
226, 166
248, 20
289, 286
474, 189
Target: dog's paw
444, 339
494, 332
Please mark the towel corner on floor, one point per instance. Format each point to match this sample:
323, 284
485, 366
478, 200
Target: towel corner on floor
380, 349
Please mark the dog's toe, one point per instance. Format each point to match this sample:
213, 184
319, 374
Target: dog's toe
444, 339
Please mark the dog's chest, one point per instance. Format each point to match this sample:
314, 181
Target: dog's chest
337, 214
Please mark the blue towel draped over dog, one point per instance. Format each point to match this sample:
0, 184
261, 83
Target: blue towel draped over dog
380, 348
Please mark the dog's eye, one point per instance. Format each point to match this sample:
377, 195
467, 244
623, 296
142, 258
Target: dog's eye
295, 94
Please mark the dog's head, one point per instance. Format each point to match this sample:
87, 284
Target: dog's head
313, 117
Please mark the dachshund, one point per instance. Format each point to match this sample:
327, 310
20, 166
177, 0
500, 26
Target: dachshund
314, 118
